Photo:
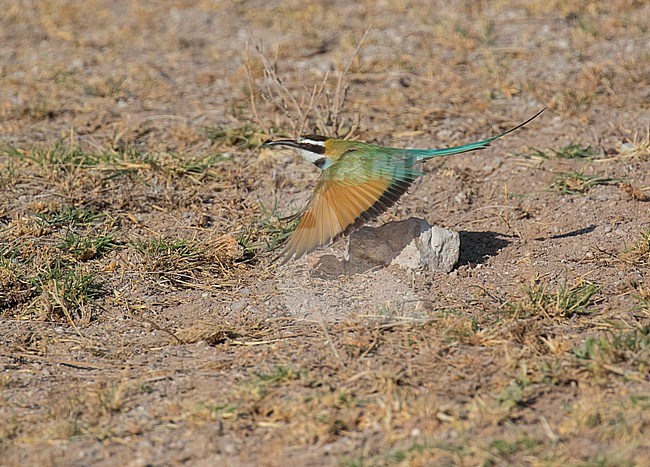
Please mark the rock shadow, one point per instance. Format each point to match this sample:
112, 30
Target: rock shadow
477, 247
573, 233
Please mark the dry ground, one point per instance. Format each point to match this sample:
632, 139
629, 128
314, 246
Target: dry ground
144, 323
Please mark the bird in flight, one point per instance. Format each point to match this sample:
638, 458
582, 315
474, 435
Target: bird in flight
358, 182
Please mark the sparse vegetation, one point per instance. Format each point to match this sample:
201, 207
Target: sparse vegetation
69, 217
268, 231
575, 183
575, 151
639, 252
637, 148
243, 137
85, 248
63, 157
64, 292
45, 281
572, 151
603, 352
144, 321
176, 262
565, 302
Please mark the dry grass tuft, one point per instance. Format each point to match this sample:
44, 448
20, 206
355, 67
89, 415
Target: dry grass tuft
624, 353
634, 192
182, 263
643, 297
244, 329
572, 151
639, 252
568, 300
90, 413
14, 288
575, 183
319, 109
638, 148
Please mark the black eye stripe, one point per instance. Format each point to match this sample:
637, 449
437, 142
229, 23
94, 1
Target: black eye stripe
313, 148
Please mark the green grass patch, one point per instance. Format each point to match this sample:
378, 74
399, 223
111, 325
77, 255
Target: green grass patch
575, 151
267, 232
62, 156
572, 151
639, 252
632, 347
209, 411
85, 248
280, 375
167, 251
181, 263
60, 153
566, 301
39, 268
175, 262
516, 393
404, 455
65, 291
575, 183
78, 224
241, 137
70, 217
260, 386
505, 448
199, 165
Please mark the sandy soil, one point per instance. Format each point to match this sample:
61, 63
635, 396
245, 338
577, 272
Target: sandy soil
144, 322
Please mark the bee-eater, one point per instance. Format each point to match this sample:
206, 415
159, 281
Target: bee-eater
358, 182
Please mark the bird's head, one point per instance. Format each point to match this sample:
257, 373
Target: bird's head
312, 148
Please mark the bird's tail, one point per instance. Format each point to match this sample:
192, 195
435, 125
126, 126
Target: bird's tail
421, 154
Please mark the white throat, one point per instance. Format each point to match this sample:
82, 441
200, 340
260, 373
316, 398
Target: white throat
308, 155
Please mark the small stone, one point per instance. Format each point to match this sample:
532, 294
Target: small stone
412, 244
238, 306
229, 448
328, 267
461, 197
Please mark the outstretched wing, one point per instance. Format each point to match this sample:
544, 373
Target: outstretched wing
362, 184
359, 186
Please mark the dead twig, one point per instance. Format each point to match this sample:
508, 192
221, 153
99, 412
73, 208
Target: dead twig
56, 361
317, 106
331, 344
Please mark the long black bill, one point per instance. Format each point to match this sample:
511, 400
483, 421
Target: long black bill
283, 142
315, 148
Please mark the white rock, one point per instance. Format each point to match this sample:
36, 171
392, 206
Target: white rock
412, 244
